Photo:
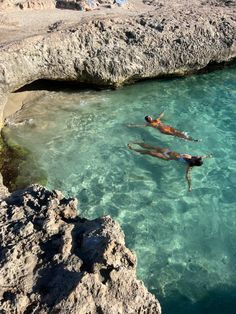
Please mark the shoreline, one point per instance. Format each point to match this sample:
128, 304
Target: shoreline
17, 99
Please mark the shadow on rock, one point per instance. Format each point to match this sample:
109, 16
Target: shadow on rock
55, 283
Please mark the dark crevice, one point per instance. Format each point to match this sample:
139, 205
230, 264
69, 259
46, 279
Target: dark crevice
9, 296
53, 85
105, 273
51, 247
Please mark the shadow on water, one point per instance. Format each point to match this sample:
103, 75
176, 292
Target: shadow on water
221, 300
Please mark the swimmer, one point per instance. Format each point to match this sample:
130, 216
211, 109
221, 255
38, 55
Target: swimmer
163, 128
166, 154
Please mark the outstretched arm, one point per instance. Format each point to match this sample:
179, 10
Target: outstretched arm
136, 125
160, 115
207, 156
188, 177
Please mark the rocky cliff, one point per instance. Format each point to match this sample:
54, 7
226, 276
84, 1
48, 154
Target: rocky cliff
53, 261
52, 4
161, 38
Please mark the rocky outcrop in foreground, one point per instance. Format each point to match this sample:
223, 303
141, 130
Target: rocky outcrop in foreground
51, 260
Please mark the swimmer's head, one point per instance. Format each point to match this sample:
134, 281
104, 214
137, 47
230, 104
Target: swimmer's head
196, 161
148, 119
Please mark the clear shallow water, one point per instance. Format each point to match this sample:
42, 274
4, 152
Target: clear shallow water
185, 242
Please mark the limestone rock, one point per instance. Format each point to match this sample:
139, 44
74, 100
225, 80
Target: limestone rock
52, 4
51, 260
111, 51
27, 4
75, 5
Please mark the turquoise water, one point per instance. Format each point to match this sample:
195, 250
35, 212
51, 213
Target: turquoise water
185, 242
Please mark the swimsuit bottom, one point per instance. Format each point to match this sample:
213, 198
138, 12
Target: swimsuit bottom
182, 159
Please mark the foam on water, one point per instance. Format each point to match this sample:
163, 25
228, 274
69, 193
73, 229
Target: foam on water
185, 242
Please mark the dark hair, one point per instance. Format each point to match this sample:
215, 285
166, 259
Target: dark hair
147, 118
196, 161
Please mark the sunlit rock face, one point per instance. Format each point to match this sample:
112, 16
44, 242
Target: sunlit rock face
53, 260
27, 4
173, 39
52, 4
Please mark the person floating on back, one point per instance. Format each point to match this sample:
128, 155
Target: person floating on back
166, 154
163, 128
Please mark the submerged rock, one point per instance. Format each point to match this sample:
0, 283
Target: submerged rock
53, 261
18, 166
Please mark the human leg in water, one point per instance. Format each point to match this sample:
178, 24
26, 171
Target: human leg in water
150, 147
154, 151
183, 135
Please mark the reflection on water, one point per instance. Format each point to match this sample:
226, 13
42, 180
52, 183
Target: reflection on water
185, 242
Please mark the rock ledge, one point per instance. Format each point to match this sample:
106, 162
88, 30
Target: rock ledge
53, 261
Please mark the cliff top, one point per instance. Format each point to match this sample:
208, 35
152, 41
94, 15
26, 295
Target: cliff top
16, 24
21, 19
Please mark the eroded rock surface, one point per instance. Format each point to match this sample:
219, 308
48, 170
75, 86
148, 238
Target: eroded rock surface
51, 260
27, 4
115, 46
173, 39
52, 4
